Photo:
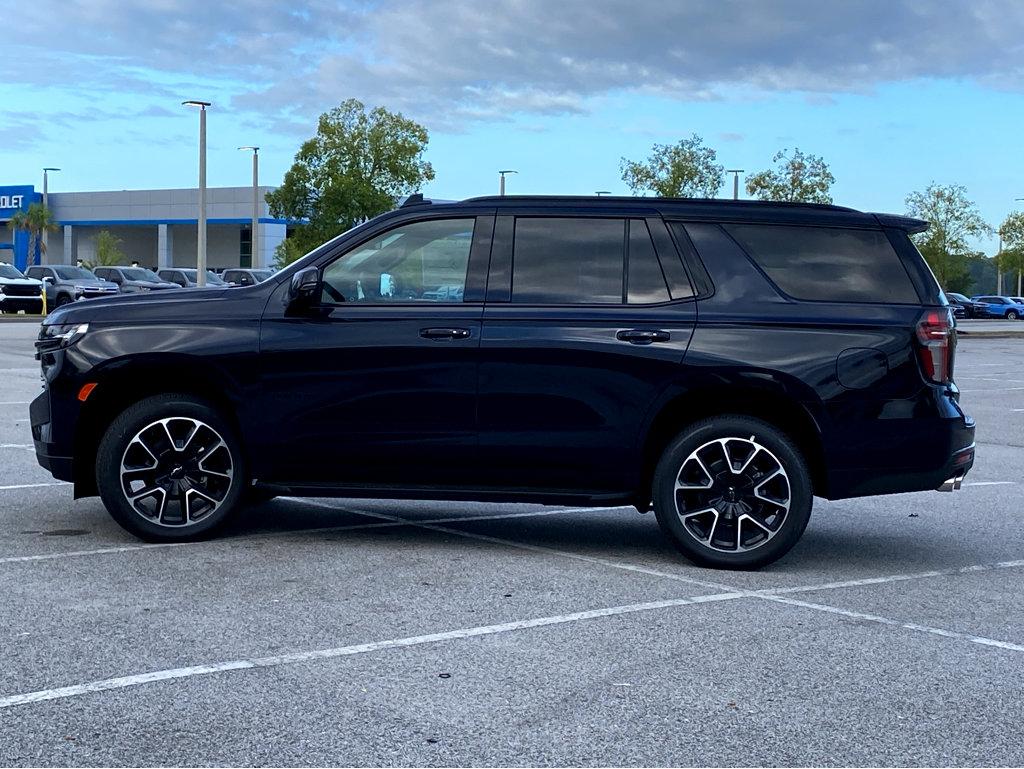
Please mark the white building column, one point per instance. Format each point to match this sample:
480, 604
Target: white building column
164, 247
69, 251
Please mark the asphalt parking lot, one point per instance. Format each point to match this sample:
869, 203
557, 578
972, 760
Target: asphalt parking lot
363, 632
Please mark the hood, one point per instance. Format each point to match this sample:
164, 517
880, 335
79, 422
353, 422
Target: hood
156, 285
90, 282
156, 305
19, 282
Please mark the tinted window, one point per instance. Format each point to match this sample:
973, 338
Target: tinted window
956, 297
419, 262
645, 281
568, 261
6, 271
828, 263
73, 273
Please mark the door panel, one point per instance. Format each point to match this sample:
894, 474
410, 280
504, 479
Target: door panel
364, 396
562, 398
564, 390
377, 384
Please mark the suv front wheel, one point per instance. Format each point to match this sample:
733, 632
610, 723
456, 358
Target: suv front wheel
170, 468
732, 492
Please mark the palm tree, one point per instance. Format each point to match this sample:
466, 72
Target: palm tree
35, 221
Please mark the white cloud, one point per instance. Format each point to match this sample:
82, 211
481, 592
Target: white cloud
449, 62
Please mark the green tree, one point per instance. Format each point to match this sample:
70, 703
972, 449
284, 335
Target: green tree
1011, 258
954, 219
36, 220
795, 177
108, 251
686, 169
356, 167
287, 251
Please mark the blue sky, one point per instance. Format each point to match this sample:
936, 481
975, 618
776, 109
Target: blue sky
892, 94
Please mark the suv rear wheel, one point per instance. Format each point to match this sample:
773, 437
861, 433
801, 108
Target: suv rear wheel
170, 468
1012, 315
732, 492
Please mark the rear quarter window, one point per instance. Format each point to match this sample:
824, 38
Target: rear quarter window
830, 264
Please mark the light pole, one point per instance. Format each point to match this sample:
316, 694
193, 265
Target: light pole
1015, 200
999, 266
201, 235
255, 260
501, 185
599, 193
46, 205
735, 181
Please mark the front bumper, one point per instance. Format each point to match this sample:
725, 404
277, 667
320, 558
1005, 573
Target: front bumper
25, 303
52, 457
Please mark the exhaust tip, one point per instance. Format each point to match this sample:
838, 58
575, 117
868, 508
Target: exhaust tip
952, 484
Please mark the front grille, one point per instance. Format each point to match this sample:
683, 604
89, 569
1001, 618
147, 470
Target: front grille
9, 290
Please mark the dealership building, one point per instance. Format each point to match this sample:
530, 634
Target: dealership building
157, 228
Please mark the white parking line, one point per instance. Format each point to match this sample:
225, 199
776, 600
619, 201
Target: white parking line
991, 483
15, 403
897, 623
729, 593
16, 446
767, 595
274, 534
347, 651
33, 485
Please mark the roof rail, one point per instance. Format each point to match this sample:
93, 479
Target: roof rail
640, 199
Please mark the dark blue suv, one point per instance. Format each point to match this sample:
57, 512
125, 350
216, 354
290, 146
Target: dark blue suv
721, 361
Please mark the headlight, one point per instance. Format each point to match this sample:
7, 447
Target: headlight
58, 336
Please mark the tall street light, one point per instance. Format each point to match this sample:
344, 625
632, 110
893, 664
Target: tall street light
501, 186
999, 270
46, 203
599, 193
201, 237
255, 260
735, 181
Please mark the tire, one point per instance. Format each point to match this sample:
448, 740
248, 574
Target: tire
185, 454
62, 300
750, 502
1012, 315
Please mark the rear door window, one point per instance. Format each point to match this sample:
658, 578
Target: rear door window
645, 283
831, 264
568, 260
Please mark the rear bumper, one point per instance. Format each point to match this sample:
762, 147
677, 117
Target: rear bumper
950, 440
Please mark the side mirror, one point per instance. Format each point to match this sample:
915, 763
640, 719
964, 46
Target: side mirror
304, 288
48, 279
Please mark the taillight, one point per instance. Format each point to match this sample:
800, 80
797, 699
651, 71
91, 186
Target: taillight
936, 341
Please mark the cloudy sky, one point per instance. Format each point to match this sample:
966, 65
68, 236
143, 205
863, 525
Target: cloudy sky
893, 93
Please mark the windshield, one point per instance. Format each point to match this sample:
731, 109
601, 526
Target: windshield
212, 278
262, 275
73, 273
6, 271
140, 273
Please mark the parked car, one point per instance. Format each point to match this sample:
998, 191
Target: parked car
723, 361
967, 307
245, 277
18, 292
186, 278
999, 307
133, 280
1017, 299
66, 284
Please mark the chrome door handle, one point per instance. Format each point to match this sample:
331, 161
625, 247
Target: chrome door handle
440, 334
643, 336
